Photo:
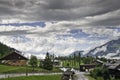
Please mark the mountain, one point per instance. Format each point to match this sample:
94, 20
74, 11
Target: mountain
4, 50
76, 53
109, 49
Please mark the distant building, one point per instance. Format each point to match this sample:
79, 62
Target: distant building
56, 63
98, 62
14, 59
114, 68
87, 67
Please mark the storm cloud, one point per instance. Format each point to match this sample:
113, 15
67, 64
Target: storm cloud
62, 10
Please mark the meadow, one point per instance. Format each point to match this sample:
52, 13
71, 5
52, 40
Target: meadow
23, 69
43, 77
71, 63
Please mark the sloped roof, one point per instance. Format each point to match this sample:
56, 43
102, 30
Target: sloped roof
99, 61
14, 56
114, 66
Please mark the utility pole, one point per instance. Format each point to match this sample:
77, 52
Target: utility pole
53, 59
74, 59
26, 70
79, 58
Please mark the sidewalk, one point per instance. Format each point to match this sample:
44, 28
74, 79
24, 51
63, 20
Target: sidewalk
24, 74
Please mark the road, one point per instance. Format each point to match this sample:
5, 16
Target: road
23, 74
80, 76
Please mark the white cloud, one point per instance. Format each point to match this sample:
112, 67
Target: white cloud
38, 40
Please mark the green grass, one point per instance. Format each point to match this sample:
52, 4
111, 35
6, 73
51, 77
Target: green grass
4, 68
22, 69
71, 63
45, 77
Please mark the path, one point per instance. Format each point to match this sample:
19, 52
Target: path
23, 74
81, 76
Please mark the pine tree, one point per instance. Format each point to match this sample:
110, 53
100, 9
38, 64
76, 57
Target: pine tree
47, 63
33, 61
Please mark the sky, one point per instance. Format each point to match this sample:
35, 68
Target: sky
58, 26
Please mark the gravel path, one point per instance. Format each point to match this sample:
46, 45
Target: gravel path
80, 76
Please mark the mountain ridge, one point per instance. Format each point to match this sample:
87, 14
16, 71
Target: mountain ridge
77, 53
109, 49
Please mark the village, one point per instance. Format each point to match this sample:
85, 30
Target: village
59, 39
98, 68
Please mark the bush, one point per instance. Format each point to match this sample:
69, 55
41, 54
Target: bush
100, 73
100, 78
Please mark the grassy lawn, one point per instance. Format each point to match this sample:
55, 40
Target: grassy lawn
71, 63
45, 77
22, 69
4, 68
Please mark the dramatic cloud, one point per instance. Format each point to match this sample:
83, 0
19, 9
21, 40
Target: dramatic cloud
58, 26
55, 38
91, 12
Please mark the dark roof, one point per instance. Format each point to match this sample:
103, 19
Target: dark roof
88, 65
14, 56
99, 61
114, 66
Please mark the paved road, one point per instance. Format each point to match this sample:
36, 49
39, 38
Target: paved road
23, 74
80, 76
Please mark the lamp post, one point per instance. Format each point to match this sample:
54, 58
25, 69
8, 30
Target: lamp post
26, 69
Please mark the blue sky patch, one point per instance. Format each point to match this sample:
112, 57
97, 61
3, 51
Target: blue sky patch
78, 33
34, 24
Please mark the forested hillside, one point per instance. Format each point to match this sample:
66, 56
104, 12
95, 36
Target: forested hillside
4, 50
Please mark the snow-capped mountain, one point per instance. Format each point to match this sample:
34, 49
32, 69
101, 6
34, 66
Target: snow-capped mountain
110, 49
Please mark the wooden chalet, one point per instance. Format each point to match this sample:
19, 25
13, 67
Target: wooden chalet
14, 59
98, 62
87, 67
114, 69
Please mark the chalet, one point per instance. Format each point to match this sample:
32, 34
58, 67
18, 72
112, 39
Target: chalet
98, 62
114, 69
14, 59
87, 67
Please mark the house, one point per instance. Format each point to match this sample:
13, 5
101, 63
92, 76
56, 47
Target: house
14, 59
56, 63
87, 67
98, 62
114, 68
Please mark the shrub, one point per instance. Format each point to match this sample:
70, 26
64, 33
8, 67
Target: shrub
100, 73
